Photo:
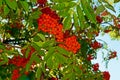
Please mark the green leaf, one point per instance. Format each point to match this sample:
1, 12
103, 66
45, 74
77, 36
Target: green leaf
76, 23
48, 43
6, 10
12, 4
30, 62
37, 59
61, 58
50, 53
5, 57
81, 17
50, 62
2, 47
59, 6
100, 9
36, 38
110, 7
35, 14
33, 0
116, 1
1, 3
89, 12
39, 72
23, 77
67, 23
62, 51
70, 4
25, 5
42, 37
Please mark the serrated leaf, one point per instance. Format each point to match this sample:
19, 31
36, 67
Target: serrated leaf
30, 62
25, 5
48, 44
100, 9
35, 14
42, 37
50, 62
59, 6
12, 4
36, 38
110, 7
61, 58
88, 11
62, 51
6, 10
76, 23
50, 53
67, 23
39, 72
81, 17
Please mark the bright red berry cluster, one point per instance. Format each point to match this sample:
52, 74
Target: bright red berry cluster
15, 74
50, 25
51, 13
106, 75
89, 57
95, 67
96, 45
71, 44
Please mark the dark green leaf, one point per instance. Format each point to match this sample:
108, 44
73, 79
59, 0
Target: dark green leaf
67, 22
12, 4
25, 5
23, 77
33, 0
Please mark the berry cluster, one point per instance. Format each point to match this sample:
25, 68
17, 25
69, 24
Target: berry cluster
96, 45
71, 44
15, 74
51, 13
95, 67
113, 55
89, 57
50, 25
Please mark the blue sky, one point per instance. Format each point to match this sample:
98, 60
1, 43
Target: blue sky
114, 64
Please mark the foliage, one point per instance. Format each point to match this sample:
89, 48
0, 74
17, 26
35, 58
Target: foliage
54, 39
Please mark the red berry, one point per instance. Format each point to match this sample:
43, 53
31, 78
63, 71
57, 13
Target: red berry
113, 55
15, 74
53, 78
99, 19
90, 57
95, 67
106, 75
